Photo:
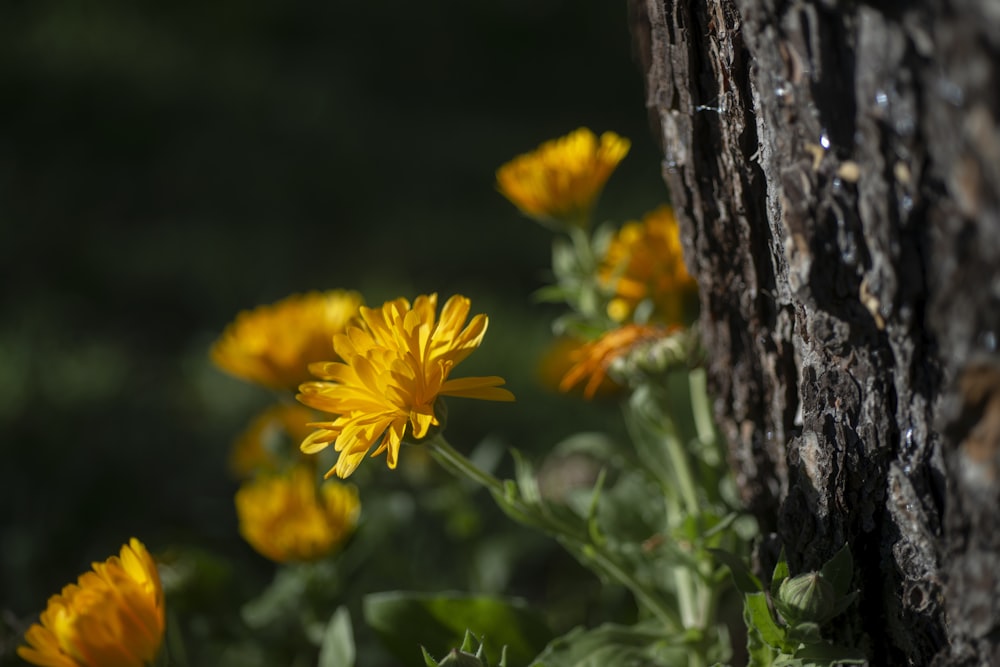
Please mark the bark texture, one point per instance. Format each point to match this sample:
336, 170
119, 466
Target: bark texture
836, 170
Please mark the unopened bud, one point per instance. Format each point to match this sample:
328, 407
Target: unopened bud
460, 659
806, 598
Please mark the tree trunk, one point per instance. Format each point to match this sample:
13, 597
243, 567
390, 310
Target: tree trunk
836, 169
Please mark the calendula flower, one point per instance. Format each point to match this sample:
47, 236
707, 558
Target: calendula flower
561, 180
593, 359
287, 518
644, 262
396, 362
562, 355
273, 345
112, 617
272, 439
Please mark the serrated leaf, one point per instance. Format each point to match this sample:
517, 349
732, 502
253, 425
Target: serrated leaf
745, 580
429, 660
337, 649
405, 621
839, 571
759, 616
759, 652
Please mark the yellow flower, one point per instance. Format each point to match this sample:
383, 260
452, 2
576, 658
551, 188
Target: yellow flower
593, 359
396, 362
273, 345
286, 518
562, 178
112, 617
645, 261
270, 438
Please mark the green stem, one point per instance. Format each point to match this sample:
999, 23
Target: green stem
576, 541
691, 594
681, 466
700, 408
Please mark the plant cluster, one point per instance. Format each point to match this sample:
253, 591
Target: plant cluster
655, 518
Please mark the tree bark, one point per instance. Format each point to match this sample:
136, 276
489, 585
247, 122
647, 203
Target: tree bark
835, 166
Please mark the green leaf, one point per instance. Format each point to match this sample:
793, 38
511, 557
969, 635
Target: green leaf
842, 604
745, 580
550, 294
785, 660
780, 573
759, 617
839, 571
830, 654
524, 473
469, 643
805, 633
760, 653
406, 621
337, 649
429, 660
564, 260
613, 645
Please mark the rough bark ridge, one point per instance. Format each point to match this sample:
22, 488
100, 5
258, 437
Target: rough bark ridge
836, 170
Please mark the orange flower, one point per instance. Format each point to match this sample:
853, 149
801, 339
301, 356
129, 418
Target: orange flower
644, 262
593, 359
396, 362
112, 617
273, 345
271, 439
562, 178
287, 518
559, 358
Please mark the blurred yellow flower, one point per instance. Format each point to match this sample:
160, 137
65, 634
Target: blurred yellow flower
273, 345
287, 518
591, 360
396, 362
561, 180
112, 617
645, 261
272, 439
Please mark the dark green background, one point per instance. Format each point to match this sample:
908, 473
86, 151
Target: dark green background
165, 165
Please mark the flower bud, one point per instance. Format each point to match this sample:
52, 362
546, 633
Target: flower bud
461, 659
806, 598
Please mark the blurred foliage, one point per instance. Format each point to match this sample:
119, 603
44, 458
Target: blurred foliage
167, 165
